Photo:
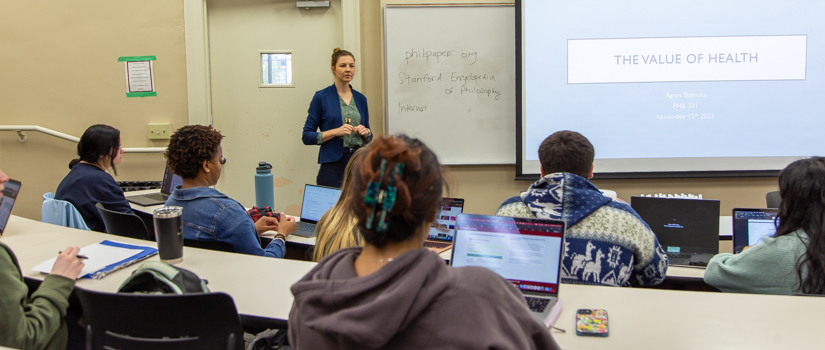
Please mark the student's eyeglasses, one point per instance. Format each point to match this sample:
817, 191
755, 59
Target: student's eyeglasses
223, 160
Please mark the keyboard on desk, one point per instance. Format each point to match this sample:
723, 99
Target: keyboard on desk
304, 226
687, 259
436, 245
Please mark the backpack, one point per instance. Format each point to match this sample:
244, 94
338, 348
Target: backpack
155, 277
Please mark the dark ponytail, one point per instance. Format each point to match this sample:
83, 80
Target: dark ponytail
98, 140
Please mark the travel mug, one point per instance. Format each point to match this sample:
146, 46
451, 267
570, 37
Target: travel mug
169, 233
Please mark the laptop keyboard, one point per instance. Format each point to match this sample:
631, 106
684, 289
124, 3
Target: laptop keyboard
679, 255
305, 226
436, 245
537, 304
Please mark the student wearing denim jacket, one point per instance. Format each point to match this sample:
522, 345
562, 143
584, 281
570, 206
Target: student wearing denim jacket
195, 154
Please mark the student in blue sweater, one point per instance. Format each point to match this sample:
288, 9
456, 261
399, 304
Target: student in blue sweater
89, 182
793, 261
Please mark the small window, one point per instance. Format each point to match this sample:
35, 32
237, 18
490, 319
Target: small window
276, 68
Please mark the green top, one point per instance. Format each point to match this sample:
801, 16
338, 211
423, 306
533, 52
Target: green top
766, 268
34, 322
351, 116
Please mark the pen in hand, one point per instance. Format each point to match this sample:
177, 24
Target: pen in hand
79, 256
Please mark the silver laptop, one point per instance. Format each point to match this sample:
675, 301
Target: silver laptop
12, 187
687, 229
525, 251
317, 201
752, 225
442, 231
170, 181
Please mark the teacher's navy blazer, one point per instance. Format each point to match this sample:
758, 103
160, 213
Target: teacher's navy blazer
325, 113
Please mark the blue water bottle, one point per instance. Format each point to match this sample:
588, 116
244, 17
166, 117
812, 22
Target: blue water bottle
264, 193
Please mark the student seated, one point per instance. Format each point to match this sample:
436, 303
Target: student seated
392, 293
195, 154
606, 242
337, 227
35, 321
88, 182
793, 261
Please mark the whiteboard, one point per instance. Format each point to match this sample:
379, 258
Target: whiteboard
450, 79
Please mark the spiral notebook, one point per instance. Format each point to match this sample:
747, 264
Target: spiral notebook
104, 258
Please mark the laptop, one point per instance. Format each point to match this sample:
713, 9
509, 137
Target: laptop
752, 225
12, 187
170, 181
440, 237
317, 201
688, 229
525, 251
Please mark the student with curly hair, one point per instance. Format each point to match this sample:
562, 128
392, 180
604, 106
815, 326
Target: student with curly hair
393, 293
793, 261
195, 154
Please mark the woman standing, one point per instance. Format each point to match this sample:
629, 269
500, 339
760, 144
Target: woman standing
88, 182
392, 293
793, 261
342, 116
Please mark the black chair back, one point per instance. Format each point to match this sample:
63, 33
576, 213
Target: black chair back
772, 199
123, 224
213, 245
160, 321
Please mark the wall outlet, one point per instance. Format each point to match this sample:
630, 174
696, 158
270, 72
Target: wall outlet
159, 131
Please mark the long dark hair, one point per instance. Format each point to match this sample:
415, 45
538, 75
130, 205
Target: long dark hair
419, 187
802, 189
98, 140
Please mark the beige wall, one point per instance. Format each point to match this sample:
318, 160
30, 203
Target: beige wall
59, 69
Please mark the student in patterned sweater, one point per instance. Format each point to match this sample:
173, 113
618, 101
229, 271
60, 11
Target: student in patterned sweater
606, 242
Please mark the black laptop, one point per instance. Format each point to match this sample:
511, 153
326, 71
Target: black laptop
688, 229
170, 181
12, 187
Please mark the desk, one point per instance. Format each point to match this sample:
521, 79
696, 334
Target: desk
259, 285
665, 319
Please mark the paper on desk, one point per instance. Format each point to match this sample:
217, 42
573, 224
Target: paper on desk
100, 256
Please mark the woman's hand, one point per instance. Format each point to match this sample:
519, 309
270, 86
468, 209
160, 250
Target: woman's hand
344, 130
362, 130
287, 224
266, 223
68, 264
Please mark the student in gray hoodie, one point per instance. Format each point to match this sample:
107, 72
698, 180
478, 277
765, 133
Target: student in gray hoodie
394, 294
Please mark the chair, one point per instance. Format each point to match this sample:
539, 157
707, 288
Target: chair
123, 224
60, 212
773, 199
213, 245
160, 321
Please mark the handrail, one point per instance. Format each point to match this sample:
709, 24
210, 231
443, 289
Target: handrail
23, 137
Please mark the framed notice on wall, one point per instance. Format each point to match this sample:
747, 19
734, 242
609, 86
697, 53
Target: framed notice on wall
140, 76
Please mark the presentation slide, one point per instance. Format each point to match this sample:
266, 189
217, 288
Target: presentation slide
661, 86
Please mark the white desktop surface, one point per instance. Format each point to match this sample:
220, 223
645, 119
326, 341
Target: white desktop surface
259, 285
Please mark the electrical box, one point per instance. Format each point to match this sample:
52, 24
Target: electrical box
159, 131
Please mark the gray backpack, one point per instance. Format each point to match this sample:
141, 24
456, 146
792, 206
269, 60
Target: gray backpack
155, 277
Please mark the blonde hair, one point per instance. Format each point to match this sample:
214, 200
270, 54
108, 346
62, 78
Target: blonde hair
337, 228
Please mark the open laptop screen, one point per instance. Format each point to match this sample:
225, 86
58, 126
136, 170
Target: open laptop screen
751, 226
170, 181
12, 187
317, 200
527, 252
681, 225
443, 228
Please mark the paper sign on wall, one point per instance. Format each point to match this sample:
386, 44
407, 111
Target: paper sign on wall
140, 76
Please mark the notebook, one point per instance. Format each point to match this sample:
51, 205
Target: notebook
751, 226
317, 200
104, 258
12, 187
440, 237
170, 181
525, 251
687, 229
